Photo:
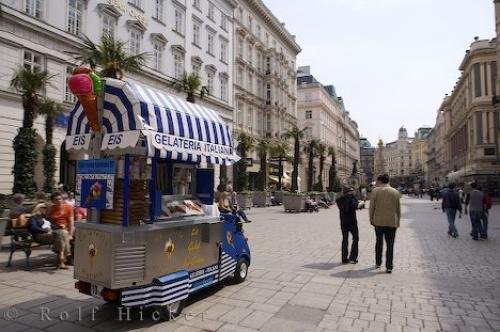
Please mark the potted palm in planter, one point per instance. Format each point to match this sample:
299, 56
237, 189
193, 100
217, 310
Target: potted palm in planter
294, 201
333, 180
246, 144
261, 197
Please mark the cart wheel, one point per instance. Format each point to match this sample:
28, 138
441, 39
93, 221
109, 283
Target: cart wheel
241, 272
171, 310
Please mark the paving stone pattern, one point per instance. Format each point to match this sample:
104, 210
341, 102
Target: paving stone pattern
296, 282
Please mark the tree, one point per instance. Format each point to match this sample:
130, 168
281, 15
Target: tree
321, 152
112, 56
333, 181
280, 149
50, 109
297, 135
29, 84
311, 150
246, 145
263, 147
191, 85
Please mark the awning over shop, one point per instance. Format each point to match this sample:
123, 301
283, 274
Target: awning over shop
167, 126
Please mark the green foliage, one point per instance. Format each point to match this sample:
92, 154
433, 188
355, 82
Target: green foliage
297, 135
112, 55
333, 180
25, 157
191, 85
49, 167
246, 145
311, 150
263, 147
321, 152
280, 149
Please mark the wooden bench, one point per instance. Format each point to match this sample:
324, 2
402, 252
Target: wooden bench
21, 239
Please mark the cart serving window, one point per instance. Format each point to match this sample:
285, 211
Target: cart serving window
154, 235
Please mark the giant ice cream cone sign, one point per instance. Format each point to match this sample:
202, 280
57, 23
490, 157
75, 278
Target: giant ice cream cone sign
86, 85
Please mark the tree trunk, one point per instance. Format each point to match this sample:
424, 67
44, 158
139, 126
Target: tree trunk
279, 172
190, 97
320, 175
29, 102
310, 170
296, 156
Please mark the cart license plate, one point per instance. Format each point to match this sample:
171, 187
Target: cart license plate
95, 291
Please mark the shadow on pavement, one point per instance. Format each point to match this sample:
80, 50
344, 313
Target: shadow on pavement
357, 274
323, 266
41, 262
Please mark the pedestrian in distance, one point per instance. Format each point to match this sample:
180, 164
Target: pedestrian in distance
450, 205
474, 206
348, 204
385, 216
487, 203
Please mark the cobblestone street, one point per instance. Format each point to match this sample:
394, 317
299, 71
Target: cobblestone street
296, 282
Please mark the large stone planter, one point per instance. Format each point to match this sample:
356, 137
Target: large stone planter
3, 225
245, 200
294, 203
261, 198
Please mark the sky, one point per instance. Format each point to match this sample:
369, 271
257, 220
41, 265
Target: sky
392, 61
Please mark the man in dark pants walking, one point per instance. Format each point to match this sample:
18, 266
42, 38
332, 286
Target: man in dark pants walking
385, 214
347, 205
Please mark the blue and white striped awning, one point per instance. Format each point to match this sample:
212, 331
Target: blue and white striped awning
168, 127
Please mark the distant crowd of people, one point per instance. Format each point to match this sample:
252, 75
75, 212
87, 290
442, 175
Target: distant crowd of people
50, 221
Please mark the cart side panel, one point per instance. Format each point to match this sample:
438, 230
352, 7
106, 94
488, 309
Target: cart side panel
93, 254
185, 248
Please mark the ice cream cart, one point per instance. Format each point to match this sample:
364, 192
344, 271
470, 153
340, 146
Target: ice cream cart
154, 235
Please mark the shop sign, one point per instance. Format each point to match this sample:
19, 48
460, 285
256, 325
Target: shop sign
95, 183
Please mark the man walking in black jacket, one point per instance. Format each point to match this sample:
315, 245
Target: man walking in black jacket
348, 204
450, 205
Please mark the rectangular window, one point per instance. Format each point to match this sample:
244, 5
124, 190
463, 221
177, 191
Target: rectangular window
240, 47
157, 55
210, 83
211, 11
223, 89
178, 65
108, 25
135, 41
489, 151
250, 54
258, 32
250, 117
309, 114
196, 4
477, 79
240, 15
259, 88
196, 33
479, 128
158, 13
32, 61
195, 66
250, 22
268, 92
239, 113
68, 95
223, 22
210, 42
34, 8
137, 3
250, 82
179, 21
75, 12
223, 51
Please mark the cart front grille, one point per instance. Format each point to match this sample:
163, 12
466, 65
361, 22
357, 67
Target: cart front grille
130, 263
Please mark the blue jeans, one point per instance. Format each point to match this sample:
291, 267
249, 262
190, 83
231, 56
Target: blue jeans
451, 215
484, 224
475, 219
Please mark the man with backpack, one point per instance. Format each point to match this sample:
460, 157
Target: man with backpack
450, 205
348, 204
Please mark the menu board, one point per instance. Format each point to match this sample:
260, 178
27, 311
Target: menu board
173, 206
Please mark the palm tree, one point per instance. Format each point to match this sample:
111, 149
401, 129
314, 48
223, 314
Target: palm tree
112, 56
280, 149
263, 147
311, 150
321, 152
245, 146
191, 85
333, 182
29, 83
50, 109
297, 135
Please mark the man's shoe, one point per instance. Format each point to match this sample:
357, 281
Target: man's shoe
353, 261
377, 266
248, 220
455, 235
389, 271
345, 261
475, 239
